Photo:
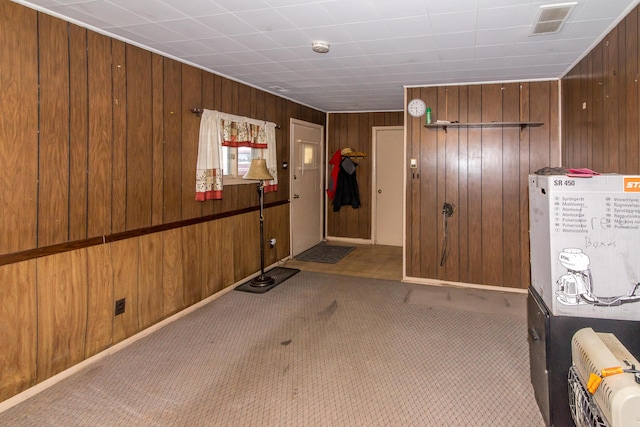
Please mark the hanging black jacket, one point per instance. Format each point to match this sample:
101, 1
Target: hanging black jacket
347, 193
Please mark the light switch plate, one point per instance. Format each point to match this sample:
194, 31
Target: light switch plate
414, 163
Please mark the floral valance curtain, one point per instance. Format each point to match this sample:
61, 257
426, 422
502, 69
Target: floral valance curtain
221, 129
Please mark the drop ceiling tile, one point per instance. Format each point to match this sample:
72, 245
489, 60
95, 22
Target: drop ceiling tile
124, 33
490, 63
494, 51
159, 11
256, 41
458, 54
502, 35
539, 60
249, 57
395, 59
408, 27
266, 20
49, 3
114, 15
356, 61
307, 16
457, 77
282, 3
378, 47
451, 6
599, 9
346, 12
455, 40
241, 5
490, 4
185, 48
454, 22
279, 55
401, 9
271, 67
154, 32
501, 17
78, 16
195, 8
297, 66
215, 60
332, 34
370, 30
191, 29
222, 45
166, 49
290, 38
572, 45
574, 30
466, 64
324, 64
340, 50
535, 46
227, 24
534, 71
425, 43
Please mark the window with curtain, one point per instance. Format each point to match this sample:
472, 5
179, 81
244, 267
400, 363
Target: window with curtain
227, 144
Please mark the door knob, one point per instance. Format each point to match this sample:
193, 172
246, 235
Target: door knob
379, 191
296, 196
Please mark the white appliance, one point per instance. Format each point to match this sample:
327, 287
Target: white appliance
617, 398
585, 244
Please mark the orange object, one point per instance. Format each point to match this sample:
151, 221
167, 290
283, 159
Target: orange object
594, 382
612, 371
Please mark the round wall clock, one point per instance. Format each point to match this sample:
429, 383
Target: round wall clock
416, 107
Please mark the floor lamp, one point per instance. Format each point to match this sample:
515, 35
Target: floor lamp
258, 171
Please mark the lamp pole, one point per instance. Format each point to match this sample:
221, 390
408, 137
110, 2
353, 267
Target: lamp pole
258, 171
262, 279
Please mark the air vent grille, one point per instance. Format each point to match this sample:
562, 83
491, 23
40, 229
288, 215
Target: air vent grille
551, 18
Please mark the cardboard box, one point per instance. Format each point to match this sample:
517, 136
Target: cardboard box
585, 244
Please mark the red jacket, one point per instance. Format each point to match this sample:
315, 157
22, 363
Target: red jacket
333, 179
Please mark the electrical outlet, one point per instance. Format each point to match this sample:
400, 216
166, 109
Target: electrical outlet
120, 306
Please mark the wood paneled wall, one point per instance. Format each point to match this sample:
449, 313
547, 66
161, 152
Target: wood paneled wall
354, 130
108, 143
58, 310
483, 172
97, 170
600, 110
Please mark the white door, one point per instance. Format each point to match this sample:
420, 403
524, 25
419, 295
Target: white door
306, 185
388, 190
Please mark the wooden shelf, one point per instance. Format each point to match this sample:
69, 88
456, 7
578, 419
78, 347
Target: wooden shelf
482, 124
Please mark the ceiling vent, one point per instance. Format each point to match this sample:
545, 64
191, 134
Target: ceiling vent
551, 18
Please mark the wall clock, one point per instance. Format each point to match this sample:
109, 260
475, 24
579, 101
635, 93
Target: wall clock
416, 107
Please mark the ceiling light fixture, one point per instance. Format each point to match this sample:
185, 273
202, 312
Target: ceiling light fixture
551, 18
320, 46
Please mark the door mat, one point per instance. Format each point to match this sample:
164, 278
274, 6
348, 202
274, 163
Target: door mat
329, 254
279, 274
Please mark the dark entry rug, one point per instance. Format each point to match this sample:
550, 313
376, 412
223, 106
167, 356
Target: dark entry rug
325, 253
280, 274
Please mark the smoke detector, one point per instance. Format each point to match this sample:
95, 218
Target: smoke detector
551, 18
320, 47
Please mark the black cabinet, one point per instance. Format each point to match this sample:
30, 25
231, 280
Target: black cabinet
550, 354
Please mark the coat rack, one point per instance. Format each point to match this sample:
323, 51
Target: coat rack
348, 152
356, 155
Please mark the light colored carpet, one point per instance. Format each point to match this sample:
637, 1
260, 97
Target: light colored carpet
317, 350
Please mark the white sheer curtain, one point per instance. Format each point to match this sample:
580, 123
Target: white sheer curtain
218, 129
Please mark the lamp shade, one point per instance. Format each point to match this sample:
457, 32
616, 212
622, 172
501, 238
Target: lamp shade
258, 171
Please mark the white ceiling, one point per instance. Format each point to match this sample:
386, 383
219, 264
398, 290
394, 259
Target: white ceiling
377, 46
